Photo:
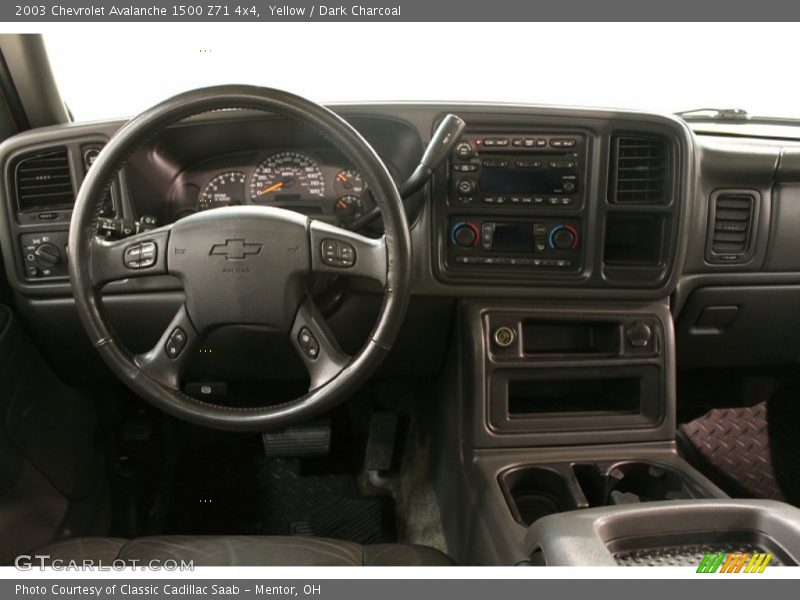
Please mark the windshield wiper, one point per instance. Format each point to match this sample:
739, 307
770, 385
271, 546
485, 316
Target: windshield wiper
735, 115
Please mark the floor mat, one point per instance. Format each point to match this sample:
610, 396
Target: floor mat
749, 451
255, 495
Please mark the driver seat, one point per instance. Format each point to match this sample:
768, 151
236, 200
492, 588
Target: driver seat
216, 551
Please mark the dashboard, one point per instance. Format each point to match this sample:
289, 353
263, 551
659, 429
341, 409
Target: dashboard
546, 204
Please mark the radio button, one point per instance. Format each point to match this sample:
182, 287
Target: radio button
538, 200
494, 164
562, 143
464, 150
466, 186
495, 142
465, 168
516, 142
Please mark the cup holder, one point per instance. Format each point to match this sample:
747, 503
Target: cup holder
634, 482
535, 492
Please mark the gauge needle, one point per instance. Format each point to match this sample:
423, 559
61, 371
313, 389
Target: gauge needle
272, 188
342, 204
342, 177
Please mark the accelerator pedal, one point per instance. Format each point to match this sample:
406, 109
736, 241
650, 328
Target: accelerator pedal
313, 439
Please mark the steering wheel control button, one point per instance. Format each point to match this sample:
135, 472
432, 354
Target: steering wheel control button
140, 255
338, 254
308, 343
504, 336
176, 342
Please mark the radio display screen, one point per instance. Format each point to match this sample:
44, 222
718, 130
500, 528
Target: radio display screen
521, 181
513, 237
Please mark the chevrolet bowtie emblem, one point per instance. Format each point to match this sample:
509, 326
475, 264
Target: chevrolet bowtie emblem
235, 249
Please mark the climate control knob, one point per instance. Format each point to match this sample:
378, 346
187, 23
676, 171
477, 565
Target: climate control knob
563, 237
47, 255
464, 234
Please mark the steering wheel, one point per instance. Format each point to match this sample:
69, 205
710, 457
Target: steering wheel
241, 265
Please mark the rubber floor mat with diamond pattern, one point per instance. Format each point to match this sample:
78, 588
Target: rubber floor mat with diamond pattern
749, 451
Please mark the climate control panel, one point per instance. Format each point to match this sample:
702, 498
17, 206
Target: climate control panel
546, 243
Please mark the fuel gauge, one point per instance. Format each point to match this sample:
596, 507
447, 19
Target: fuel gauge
349, 182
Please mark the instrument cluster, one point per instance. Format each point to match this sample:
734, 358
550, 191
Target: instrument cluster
287, 179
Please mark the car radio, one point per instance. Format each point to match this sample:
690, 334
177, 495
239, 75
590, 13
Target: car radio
516, 203
525, 171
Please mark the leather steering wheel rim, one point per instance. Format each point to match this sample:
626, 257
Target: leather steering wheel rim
93, 262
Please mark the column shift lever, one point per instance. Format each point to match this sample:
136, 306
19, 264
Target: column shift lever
443, 140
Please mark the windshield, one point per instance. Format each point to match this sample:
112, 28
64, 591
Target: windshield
120, 72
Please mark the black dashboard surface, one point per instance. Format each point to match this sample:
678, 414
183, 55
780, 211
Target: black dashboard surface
168, 178
237, 157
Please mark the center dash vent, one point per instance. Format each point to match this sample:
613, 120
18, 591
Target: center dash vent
42, 180
731, 218
641, 170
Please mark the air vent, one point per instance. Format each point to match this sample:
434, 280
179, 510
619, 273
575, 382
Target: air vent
43, 181
641, 170
731, 226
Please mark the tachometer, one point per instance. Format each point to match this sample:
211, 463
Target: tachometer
287, 174
226, 189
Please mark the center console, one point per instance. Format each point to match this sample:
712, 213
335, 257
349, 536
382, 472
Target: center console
515, 201
573, 203
567, 446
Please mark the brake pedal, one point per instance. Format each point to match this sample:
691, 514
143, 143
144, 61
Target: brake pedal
306, 440
379, 455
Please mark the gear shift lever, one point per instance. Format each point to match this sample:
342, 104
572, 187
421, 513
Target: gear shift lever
443, 140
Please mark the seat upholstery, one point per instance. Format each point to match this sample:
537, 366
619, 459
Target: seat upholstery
215, 551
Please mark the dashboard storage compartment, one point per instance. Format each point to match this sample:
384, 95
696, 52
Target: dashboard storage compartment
635, 240
576, 399
535, 492
569, 337
597, 396
634, 482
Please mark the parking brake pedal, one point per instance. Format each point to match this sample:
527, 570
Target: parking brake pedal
306, 440
379, 455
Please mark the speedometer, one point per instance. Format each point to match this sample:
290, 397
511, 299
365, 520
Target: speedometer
287, 175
